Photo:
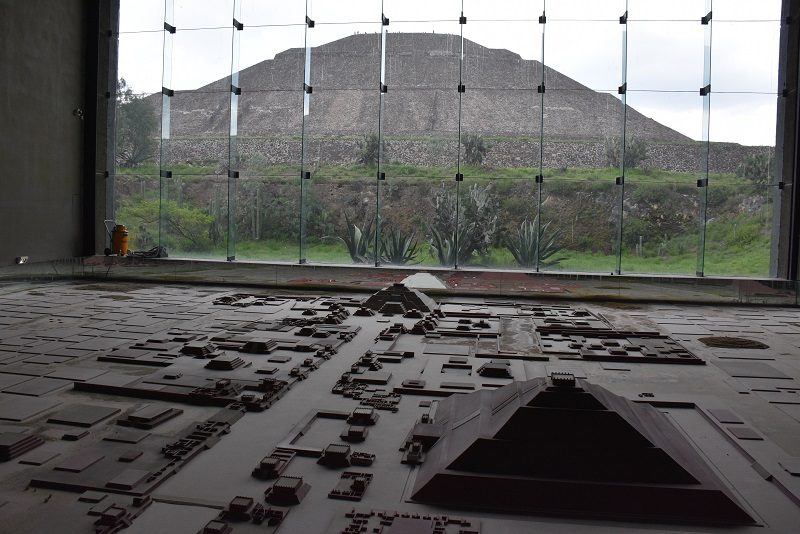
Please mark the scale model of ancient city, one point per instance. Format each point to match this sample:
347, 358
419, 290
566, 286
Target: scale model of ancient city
214, 410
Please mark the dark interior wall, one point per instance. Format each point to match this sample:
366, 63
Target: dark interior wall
42, 93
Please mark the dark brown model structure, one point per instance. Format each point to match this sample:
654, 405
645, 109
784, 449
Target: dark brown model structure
569, 448
218, 411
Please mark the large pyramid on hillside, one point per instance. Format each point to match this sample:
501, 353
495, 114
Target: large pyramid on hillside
422, 99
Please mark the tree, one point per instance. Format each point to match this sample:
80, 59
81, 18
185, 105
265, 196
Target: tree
136, 126
757, 168
635, 152
475, 149
184, 228
369, 148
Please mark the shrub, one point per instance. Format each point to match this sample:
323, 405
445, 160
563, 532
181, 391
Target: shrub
475, 149
185, 229
635, 152
369, 149
526, 244
358, 242
451, 248
136, 127
398, 248
758, 168
472, 225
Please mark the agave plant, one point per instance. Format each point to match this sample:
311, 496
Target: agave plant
398, 248
451, 249
525, 243
358, 241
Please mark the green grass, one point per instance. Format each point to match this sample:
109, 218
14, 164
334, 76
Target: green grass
737, 244
720, 259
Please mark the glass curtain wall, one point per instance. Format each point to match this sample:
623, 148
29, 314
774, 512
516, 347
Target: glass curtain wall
270, 123
583, 128
612, 136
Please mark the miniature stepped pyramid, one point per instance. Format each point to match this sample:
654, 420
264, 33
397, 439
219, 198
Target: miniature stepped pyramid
397, 299
567, 447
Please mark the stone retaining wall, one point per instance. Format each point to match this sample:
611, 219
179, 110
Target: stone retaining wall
443, 152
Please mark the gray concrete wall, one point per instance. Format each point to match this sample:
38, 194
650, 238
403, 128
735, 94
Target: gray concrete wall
41, 83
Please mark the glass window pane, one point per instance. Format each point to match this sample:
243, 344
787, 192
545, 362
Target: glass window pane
742, 184
744, 56
662, 204
141, 16
194, 14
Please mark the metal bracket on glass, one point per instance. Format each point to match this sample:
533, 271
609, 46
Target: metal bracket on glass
309, 22
306, 175
381, 176
308, 89
540, 89
169, 27
384, 88
238, 25
620, 180
542, 18
167, 92
459, 177
462, 19
539, 179
233, 174
236, 90
622, 89
705, 90
165, 174
784, 92
624, 18
461, 88
706, 19
781, 185
231, 258
303, 261
702, 182
384, 20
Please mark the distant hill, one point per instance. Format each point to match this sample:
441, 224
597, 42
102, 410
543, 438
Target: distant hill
422, 75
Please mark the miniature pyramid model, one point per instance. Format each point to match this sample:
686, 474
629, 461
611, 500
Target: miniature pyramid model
397, 299
569, 449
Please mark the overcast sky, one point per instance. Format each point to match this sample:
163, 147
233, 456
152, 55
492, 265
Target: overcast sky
583, 40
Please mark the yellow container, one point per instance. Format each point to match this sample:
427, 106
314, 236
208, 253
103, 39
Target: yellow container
119, 240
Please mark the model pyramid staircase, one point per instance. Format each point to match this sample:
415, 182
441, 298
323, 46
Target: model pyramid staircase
566, 447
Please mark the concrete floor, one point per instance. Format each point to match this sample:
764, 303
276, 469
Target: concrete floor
64, 344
